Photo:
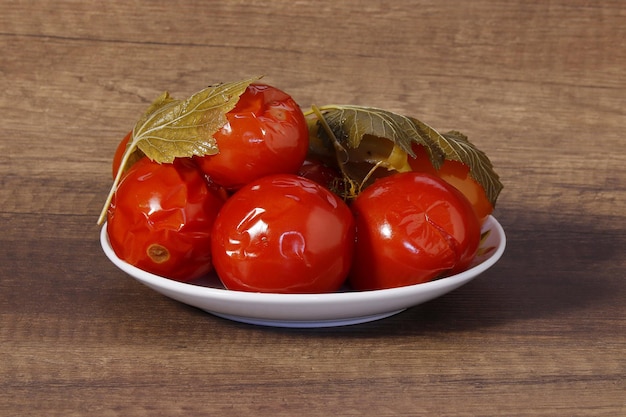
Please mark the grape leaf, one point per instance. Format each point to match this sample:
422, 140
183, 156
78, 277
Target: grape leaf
353, 126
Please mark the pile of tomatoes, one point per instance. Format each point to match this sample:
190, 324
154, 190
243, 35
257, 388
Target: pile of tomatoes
265, 216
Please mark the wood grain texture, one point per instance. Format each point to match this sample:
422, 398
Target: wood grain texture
538, 85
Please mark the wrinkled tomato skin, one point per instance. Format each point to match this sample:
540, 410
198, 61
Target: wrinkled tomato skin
411, 228
266, 133
161, 217
283, 234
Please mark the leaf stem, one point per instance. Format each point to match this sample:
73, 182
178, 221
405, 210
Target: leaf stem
350, 189
118, 176
370, 173
316, 110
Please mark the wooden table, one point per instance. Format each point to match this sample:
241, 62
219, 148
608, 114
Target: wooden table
540, 86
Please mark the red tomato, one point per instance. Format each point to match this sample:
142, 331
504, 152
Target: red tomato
161, 217
317, 171
283, 234
411, 228
456, 174
266, 134
119, 153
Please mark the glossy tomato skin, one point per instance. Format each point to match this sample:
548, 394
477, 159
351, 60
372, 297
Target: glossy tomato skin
266, 133
283, 234
315, 170
119, 153
161, 217
411, 228
456, 174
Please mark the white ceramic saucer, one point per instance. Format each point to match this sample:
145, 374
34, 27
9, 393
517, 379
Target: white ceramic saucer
313, 310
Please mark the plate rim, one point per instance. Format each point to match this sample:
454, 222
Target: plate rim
184, 291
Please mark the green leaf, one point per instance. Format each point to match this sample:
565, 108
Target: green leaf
458, 147
369, 130
351, 124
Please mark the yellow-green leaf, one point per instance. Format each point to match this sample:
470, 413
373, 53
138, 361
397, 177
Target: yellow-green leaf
172, 128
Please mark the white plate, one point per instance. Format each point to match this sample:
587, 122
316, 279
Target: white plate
313, 310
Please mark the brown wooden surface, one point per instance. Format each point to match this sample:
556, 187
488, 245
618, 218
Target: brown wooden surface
539, 85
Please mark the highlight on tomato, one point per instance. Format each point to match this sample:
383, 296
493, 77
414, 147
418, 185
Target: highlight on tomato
411, 228
261, 198
161, 216
283, 234
266, 134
